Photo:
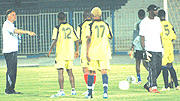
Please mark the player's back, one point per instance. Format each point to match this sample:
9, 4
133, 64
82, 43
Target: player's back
81, 30
136, 37
65, 41
168, 33
136, 29
100, 33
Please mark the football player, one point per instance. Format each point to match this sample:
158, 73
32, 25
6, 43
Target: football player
150, 29
136, 45
81, 31
168, 36
98, 50
64, 36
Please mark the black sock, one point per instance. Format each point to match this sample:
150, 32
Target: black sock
90, 83
165, 76
105, 82
173, 75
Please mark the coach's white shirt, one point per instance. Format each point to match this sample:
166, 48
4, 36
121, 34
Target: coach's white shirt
151, 29
10, 39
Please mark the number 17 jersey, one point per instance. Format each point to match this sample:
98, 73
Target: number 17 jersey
100, 33
65, 35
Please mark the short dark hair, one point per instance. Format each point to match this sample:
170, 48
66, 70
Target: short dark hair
87, 13
61, 16
161, 13
141, 13
9, 11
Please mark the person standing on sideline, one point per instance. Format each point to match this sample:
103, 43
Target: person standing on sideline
81, 31
136, 45
168, 36
63, 37
150, 29
10, 49
98, 50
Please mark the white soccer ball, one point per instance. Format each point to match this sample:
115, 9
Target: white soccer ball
131, 79
124, 85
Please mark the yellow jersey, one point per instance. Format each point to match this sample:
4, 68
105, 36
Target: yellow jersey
81, 32
100, 33
65, 35
168, 33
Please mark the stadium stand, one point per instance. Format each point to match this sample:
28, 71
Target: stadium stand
125, 19
40, 16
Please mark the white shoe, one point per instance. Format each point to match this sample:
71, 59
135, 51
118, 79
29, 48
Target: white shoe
59, 93
85, 93
73, 92
105, 95
165, 89
88, 97
177, 88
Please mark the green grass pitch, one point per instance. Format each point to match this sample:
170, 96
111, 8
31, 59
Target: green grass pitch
39, 83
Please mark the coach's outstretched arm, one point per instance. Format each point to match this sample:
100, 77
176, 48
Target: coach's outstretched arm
20, 31
52, 46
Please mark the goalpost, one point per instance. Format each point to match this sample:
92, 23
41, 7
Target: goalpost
166, 9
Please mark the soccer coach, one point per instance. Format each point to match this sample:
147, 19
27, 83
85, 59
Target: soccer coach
150, 29
10, 49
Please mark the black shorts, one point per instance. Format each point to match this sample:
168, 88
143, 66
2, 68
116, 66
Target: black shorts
138, 54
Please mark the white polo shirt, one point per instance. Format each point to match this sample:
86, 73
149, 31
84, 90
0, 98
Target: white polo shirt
10, 39
151, 29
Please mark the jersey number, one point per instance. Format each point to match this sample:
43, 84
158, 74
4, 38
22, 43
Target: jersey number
166, 30
97, 29
67, 35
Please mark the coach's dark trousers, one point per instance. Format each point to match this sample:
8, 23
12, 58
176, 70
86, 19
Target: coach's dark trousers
11, 62
154, 68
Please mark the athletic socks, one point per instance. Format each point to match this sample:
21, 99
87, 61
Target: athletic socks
90, 83
173, 75
139, 77
73, 89
154, 87
105, 82
94, 78
86, 77
61, 90
165, 75
86, 80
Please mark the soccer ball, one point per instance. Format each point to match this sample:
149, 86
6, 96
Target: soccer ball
124, 85
131, 79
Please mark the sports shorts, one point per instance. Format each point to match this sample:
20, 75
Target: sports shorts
68, 64
84, 63
168, 56
138, 54
99, 64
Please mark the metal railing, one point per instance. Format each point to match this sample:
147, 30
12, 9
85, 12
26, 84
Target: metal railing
42, 24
